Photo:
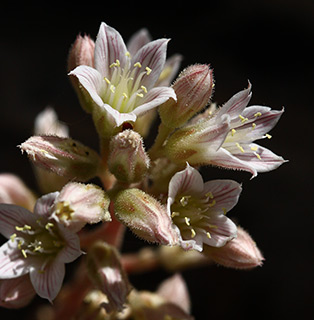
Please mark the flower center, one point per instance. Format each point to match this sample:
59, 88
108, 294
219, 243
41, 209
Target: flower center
44, 240
124, 90
191, 214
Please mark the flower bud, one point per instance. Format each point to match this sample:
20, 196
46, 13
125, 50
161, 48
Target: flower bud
239, 253
81, 52
193, 89
105, 271
145, 216
63, 156
78, 204
128, 160
14, 191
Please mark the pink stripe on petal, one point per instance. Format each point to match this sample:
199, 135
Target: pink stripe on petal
138, 40
47, 284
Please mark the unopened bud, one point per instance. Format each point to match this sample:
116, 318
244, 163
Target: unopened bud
78, 204
63, 156
193, 89
105, 271
128, 160
145, 216
239, 253
81, 52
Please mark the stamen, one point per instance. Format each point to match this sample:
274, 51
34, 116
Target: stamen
49, 225
125, 96
243, 119
257, 114
144, 89
128, 54
258, 156
239, 146
107, 80
254, 148
224, 210
25, 228
187, 221
268, 136
209, 195
115, 64
149, 70
233, 131
140, 95
212, 204
24, 253
253, 125
175, 214
138, 64
112, 88
208, 235
13, 236
193, 233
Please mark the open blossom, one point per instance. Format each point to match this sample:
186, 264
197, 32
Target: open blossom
198, 209
120, 86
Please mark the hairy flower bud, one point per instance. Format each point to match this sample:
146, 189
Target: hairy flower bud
128, 160
145, 216
81, 52
105, 270
63, 156
239, 253
193, 89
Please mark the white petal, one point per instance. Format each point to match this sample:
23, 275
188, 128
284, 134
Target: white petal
154, 98
225, 193
169, 71
12, 262
47, 284
109, 47
12, 216
138, 40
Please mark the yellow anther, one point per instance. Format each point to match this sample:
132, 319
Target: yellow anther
138, 64
184, 200
193, 233
49, 225
175, 214
19, 245
212, 204
253, 125
268, 136
128, 54
112, 88
213, 226
243, 119
233, 131
257, 114
144, 89
208, 235
125, 96
209, 195
24, 253
254, 148
187, 221
239, 146
258, 156
224, 210
107, 80
13, 236
37, 248
148, 70
115, 64
26, 227
140, 95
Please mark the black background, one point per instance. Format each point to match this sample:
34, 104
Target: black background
269, 43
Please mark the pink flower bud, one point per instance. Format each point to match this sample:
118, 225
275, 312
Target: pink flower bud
78, 204
63, 156
128, 160
14, 191
145, 216
239, 253
105, 271
193, 89
16, 293
81, 52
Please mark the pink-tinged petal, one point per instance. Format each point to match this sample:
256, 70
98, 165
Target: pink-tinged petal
236, 104
91, 81
225, 193
12, 216
112, 118
186, 182
154, 98
169, 71
44, 204
12, 262
72, 249
47, 283
138, 40
221, 230
152, 56
258, 157
109, 47
225, 159
16, 293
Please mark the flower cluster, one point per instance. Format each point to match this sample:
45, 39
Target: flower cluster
158, 193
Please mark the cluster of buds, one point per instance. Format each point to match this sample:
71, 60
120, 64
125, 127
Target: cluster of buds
159, 193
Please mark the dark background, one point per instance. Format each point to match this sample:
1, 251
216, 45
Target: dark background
269, 43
